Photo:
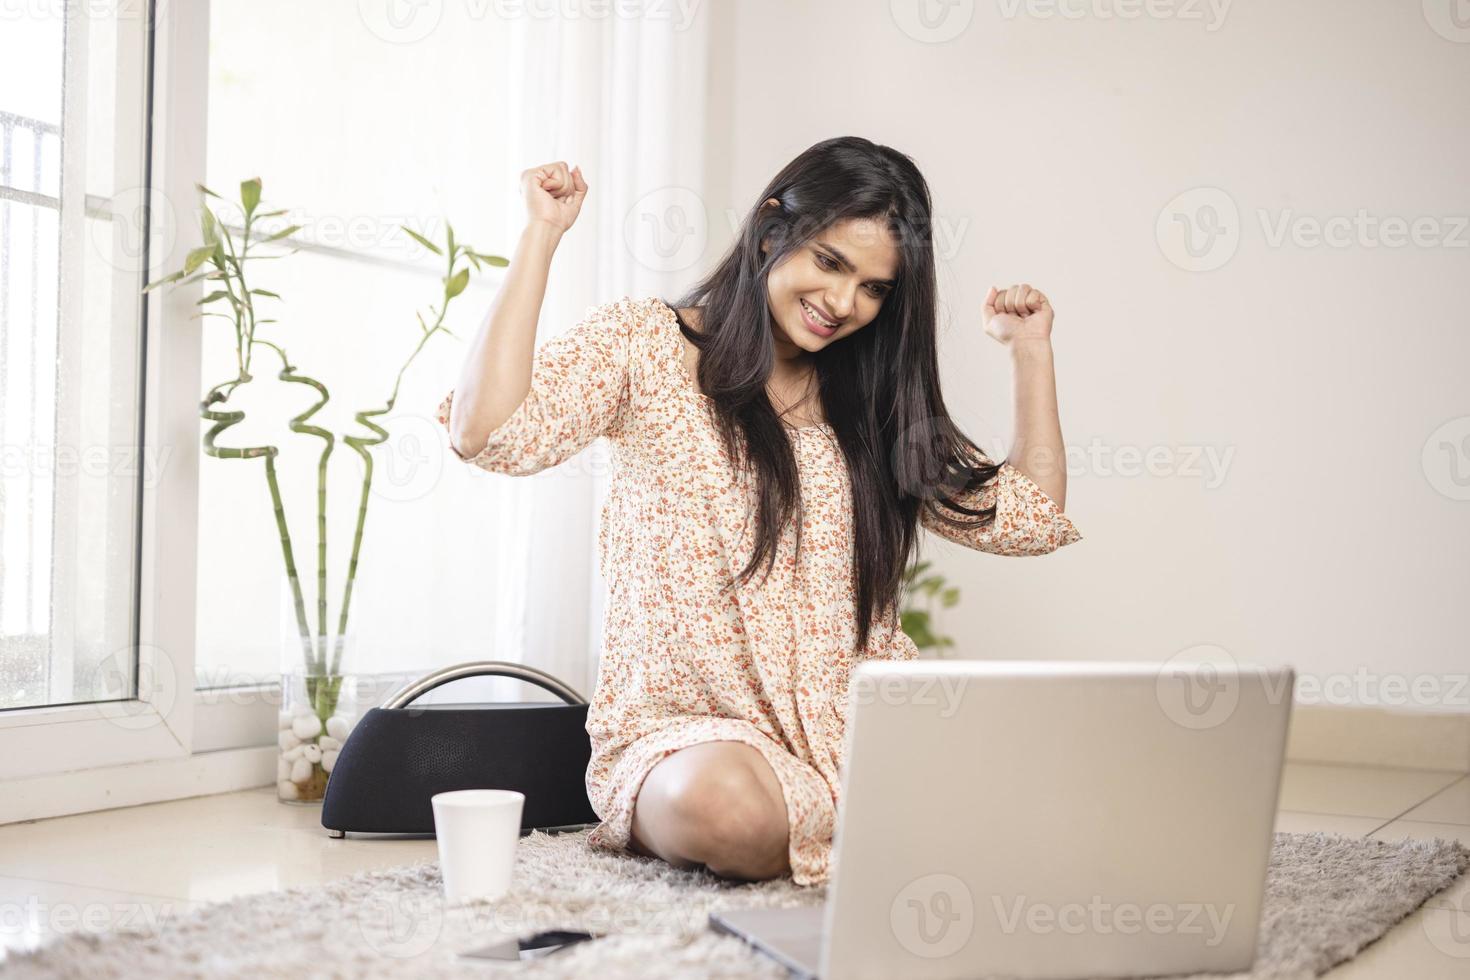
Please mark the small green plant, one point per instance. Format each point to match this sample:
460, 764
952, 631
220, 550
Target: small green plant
221, 262
918, 621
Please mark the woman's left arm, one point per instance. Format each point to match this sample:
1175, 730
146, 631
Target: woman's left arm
1020, 318
1030, 487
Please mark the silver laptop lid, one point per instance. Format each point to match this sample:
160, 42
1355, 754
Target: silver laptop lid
1045, 819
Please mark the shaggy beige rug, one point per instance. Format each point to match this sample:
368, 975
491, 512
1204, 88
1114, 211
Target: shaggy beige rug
1327, 897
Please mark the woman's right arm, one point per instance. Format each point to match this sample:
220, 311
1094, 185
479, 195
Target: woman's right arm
497, 372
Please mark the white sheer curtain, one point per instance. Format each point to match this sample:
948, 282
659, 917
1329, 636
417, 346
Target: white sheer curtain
458, 564
624, 97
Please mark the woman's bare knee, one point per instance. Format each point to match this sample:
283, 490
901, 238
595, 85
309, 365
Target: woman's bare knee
715, 807
727, 821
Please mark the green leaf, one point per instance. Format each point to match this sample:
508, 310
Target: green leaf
422, 240
916, 618
495, 260
422, 324
450, 332
217, 294
949, 597
474, 261
196, 258
450, 230
172, 277
250, 195
206, 190
266, 292
207, 223
456, 285
288, 230
271, 214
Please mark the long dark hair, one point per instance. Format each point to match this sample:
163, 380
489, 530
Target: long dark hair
879, 387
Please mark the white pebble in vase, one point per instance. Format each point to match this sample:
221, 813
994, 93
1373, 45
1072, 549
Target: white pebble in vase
339, 727
287, 741
306, 726
283, 721
293, 753
283, 769
328, 742
287, 790
300, 771
311, 753
329, 759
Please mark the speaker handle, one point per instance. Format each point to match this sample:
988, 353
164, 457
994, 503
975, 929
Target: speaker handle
414, 690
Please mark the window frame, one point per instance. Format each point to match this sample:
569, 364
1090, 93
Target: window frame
169, 740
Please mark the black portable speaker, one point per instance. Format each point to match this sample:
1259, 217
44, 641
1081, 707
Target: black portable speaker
399, 755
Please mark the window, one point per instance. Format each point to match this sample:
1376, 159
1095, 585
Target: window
97, 642
72, 110
141, 599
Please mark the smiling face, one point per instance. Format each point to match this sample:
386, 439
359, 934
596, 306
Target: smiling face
832, 286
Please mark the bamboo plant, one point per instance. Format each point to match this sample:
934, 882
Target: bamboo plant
918, 621
221, 263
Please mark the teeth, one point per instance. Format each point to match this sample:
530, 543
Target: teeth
817, 316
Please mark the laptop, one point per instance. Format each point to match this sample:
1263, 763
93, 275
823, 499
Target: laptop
1044, 820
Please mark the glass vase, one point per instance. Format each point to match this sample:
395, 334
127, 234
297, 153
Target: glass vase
320, 698
317, 714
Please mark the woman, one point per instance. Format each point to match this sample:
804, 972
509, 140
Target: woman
785, 417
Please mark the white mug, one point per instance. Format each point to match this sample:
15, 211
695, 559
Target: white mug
477, 831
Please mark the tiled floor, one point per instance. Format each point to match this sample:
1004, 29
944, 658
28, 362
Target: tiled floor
99, 870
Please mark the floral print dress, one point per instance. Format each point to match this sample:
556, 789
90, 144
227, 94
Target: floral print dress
766, 663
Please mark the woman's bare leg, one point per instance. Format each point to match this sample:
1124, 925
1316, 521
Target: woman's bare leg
718, 804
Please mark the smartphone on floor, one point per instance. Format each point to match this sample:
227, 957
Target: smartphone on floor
529, 947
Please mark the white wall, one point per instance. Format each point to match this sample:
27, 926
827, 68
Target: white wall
1316, 375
